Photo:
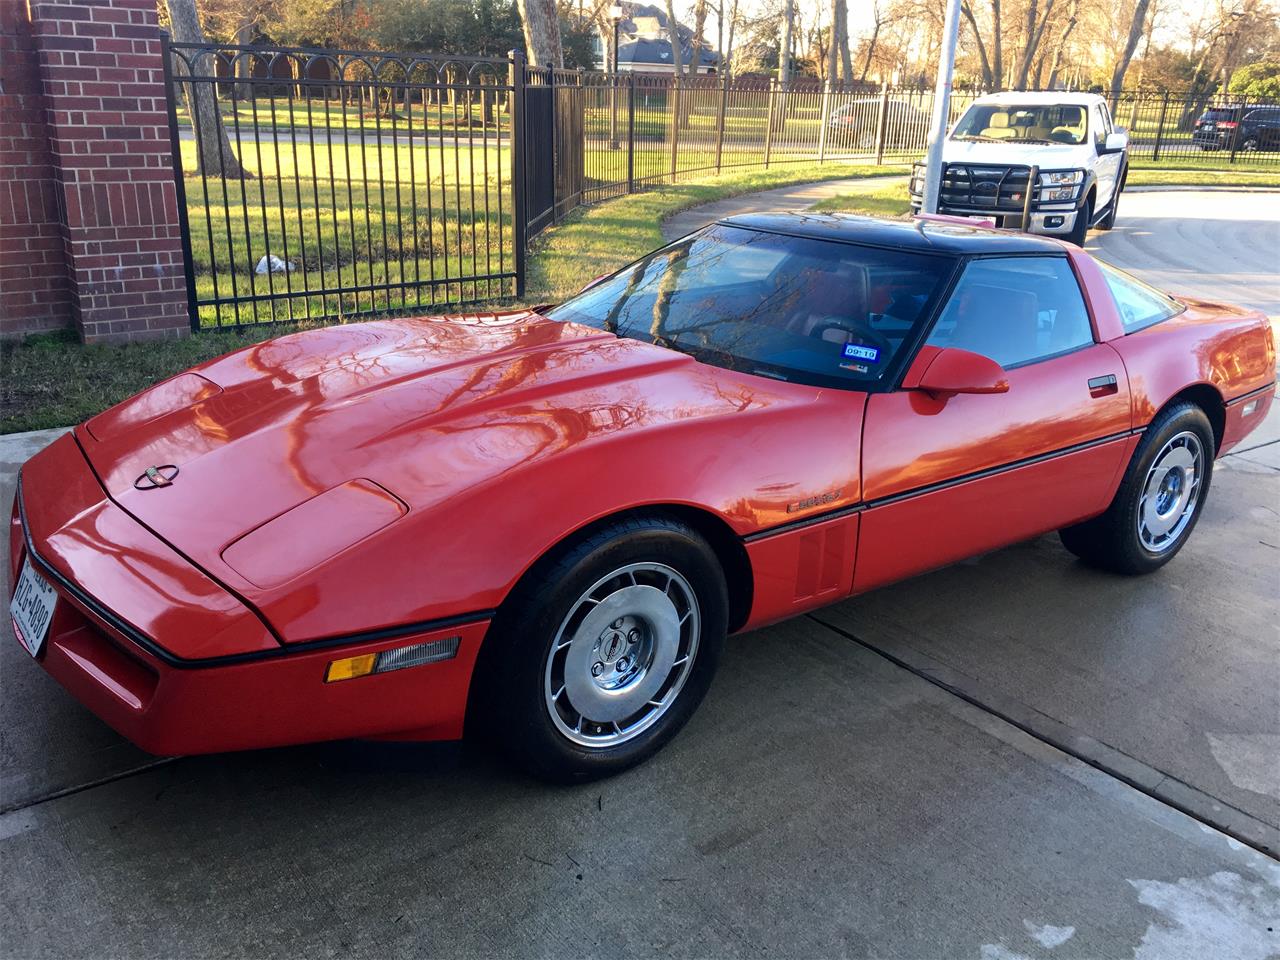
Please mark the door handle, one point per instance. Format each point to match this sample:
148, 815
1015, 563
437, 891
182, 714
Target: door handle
1103, 386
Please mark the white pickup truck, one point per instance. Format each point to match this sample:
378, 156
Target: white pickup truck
1079, 157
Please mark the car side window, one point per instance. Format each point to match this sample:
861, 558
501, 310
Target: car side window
1015, 310
1099, 129
1139, 305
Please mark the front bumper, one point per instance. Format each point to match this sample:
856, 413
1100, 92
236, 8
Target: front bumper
1044, 222
168, 704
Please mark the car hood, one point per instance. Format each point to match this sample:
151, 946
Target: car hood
291, 452
1008, 153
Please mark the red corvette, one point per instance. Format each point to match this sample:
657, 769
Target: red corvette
543, 523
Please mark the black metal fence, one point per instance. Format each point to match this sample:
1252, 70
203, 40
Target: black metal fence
349, 182
352, 182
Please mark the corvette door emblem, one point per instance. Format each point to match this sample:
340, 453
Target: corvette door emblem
161, 476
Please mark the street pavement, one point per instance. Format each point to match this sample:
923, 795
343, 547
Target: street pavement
991, 761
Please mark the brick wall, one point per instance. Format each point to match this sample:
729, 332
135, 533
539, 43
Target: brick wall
108, 144
34, 295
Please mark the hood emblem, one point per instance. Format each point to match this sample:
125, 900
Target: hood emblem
154, 477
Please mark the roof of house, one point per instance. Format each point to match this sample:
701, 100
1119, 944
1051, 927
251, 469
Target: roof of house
659, 51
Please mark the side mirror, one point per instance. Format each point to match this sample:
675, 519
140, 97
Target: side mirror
956, 371
1116, 141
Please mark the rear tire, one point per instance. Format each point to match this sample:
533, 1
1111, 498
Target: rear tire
1160, 498
1080, 230
582, 675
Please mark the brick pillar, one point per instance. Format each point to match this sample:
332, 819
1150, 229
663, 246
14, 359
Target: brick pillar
33, 277
109, 140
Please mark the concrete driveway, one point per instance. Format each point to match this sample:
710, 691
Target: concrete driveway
989, 761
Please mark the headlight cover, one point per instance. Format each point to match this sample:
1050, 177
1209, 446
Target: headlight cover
1063, 177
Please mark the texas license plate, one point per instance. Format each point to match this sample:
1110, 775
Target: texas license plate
32, 608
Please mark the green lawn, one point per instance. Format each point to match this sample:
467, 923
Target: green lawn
52, 380
889, 200
1140, 174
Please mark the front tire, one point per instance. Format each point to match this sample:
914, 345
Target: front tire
602, 655
1109, 220
1080, 229
1160, 498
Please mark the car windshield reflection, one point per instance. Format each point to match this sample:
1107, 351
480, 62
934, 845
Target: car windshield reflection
793, 308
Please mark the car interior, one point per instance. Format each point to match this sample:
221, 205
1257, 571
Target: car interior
1015, 311
1058, 124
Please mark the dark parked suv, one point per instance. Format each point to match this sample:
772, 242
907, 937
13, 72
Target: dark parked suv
1248, 128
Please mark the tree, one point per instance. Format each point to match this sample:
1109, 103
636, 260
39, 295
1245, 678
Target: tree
1068, 27
993, 62
541, 24
1260, 79
1136, 28
213, 150
673, 33
1034, 30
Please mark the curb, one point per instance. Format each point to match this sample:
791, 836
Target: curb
1196, 188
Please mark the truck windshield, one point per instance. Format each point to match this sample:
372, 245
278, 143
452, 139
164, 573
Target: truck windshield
794, 308
1023, 123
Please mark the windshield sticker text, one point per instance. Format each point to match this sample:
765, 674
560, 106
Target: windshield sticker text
856, 351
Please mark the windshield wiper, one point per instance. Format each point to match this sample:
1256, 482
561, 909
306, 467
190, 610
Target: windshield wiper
978, 136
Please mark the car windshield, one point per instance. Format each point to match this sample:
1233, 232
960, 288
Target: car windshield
1023, 123
812, 311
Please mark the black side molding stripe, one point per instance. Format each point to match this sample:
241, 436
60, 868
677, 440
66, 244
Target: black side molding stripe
134, 635
1244, 397
806, 522
941, 485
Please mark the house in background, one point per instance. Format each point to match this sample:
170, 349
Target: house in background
644, 44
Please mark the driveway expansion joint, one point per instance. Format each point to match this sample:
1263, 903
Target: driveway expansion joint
1165, 788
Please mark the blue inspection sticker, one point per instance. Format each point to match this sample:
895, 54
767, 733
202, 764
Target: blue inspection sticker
856, 351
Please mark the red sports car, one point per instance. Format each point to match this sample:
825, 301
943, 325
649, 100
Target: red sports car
543, 524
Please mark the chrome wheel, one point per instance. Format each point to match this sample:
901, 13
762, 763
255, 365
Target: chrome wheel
1170, 492
622, 655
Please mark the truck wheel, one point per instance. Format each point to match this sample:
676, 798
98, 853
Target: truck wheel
1081, 228
1160, 497
1109, 220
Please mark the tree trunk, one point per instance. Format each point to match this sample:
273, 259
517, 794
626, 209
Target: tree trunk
243, 61
677, 64
997, 46
846, 62
988, 80
699, 25
673, 35
1056, 64
784, 52
871, 50
1031, 43
213, 149
728, 47
833, 46
541, 32
1131, 44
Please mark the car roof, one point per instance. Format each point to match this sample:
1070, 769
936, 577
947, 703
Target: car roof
1041, 97
925, 236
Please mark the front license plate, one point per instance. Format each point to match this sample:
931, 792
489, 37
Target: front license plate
982, 221
32, 608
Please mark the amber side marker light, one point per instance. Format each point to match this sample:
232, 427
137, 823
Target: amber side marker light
415, 655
